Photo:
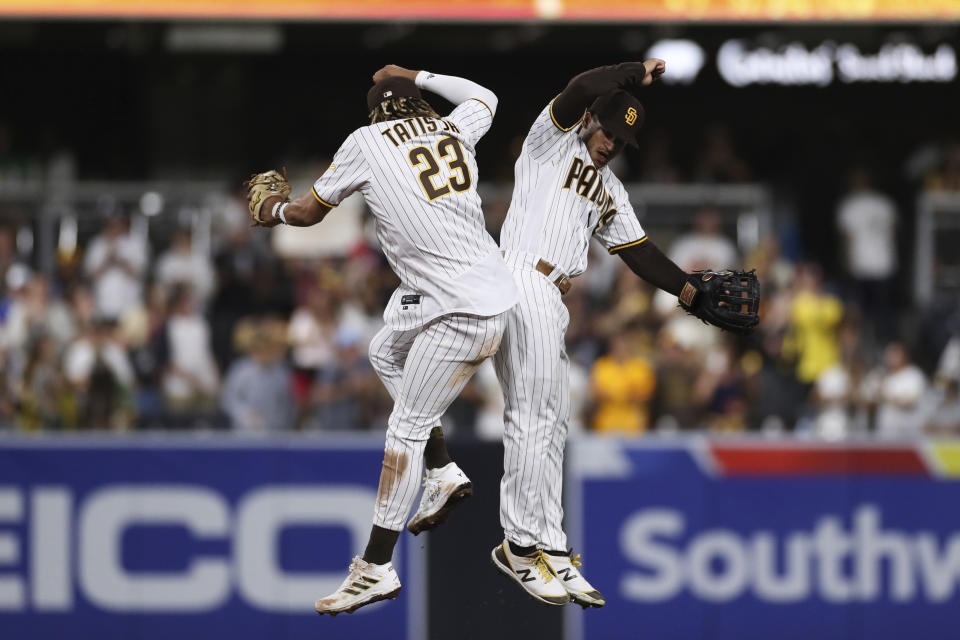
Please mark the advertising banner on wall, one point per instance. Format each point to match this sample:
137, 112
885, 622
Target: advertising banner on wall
707, 541
228, 540
742, 62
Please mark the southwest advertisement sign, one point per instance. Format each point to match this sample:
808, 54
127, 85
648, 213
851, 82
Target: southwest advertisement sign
231, 539
727, 541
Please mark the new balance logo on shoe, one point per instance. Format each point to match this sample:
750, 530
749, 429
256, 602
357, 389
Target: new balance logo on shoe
532, 573
566, 575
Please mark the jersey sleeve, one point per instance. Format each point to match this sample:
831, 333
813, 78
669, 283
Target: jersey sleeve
619, 227
473, 117
348, 172
546, 136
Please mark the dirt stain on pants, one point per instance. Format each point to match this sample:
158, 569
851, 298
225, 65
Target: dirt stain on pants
394, 466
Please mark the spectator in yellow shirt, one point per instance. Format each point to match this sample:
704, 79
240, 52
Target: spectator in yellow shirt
815, 317
621, 385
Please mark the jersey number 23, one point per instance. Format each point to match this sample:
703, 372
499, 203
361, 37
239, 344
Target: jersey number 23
448, 149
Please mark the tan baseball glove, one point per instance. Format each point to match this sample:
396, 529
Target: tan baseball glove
262, 186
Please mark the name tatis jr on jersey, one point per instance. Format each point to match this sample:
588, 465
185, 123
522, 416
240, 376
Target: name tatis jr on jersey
586, 180
404, 130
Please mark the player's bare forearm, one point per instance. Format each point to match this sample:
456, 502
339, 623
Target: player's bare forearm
302, 211
391, 70
647, 261
584, 88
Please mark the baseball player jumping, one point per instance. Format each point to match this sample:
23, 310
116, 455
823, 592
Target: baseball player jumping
418, 174
564, 194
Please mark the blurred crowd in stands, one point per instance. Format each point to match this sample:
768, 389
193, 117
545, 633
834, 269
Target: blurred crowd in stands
147, 325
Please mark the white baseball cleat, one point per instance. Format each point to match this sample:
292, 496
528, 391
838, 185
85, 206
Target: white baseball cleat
366, 584
533, 573
443, 489
581, 591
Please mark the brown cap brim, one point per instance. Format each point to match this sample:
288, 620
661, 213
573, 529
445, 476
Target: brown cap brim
392, 87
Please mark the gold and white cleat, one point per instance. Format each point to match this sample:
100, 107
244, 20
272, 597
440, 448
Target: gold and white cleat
566, 568
532, 572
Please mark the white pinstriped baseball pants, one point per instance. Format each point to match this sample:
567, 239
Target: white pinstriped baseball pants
533, 370
424, 370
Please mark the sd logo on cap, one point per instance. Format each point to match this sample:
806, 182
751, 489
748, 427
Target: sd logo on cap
621, 113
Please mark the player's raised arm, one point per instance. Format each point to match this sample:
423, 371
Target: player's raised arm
452, 88
457, 90
586, 87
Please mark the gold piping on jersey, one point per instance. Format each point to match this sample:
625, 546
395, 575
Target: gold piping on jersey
629, 244
321, 200
484, 104
557, 124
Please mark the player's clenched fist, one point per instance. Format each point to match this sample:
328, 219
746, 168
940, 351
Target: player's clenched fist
392, 70
654, 68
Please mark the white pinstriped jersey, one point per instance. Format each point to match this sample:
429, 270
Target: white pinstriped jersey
560, 200
419, 177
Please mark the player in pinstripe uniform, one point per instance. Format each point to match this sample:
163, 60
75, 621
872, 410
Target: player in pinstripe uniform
564, 194
418, 173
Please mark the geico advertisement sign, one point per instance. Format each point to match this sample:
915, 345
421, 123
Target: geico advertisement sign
832, 561
82, 546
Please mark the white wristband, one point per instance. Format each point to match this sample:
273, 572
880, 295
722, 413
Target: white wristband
277, 211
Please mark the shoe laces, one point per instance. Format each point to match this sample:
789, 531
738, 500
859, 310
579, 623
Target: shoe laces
575, 560
431, 486
542, 565
355, 572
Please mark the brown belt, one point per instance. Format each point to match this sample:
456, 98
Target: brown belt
562, 282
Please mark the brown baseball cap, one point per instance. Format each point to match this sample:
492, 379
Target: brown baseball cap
620, 113
392, 87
